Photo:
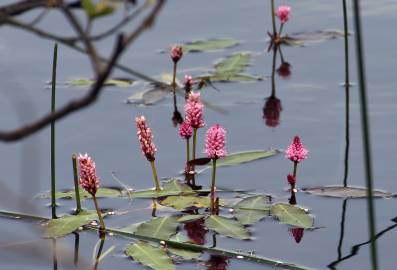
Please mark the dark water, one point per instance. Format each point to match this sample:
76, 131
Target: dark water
313, 105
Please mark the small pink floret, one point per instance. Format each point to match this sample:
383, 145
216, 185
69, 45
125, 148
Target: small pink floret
283, 13
176, 53
185, 130
215, 142
194, 109
145, 138
89, 181
296, 152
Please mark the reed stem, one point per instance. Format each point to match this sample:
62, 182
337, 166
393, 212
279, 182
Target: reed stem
187, 150
273, 20
76, 184
53, 88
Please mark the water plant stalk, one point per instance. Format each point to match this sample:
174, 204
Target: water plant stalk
281, 29
174, 77
273, 19
53, 88
194, 151
213, 186
295, 168
76, 184
365, 132
155, 177
187, 150
101, 222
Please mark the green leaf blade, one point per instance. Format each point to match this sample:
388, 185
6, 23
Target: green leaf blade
292, 215
159, 227
153, 257
227, 227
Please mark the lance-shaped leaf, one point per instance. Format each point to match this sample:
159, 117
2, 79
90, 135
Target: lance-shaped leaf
188, 218
153, 257
159, 227
292, 215
346, 192
119, 82
69, 223
172, 187
182, 202
233, 64
309, 38
209, 45
227, 227
252, 209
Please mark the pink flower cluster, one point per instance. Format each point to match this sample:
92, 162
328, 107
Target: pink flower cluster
89, 181
296, 152
176, 53
185, 130
283, 13
215, 142
145, 138
194, 111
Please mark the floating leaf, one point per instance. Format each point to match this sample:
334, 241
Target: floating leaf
159, 227
184, 253
69, 223
103, 192
188, 218
172, 187
346, 192
233, 64
308, 38
226, 226
252, 209
232, 77
119, 82
243, 157
249, 217
209, 45
292, 215
182, 202
153, 257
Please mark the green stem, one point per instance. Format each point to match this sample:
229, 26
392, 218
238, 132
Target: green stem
295, 168
281, 29
155, 177
53, 88
101, 223
174, 77
273, 20
365, 132
76, 184
187, 150
194, 152
213, 185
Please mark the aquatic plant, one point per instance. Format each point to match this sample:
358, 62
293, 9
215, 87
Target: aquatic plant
296, 152
176, 55
186, 131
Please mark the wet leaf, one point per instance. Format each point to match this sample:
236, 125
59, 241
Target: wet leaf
209, 45
227, 227
184, 253
119, 82
243, 157
182, 202
153, 257
103, 192
159, 227
252, 209
249, 217
309, 38
187, 218
233, 64
172, 187
292, 215
69, 223
346, 192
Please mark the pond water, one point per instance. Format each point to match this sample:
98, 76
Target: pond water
313, 106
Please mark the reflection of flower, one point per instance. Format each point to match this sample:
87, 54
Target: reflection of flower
283, 13
216, 262
177, 118
297, 233
145, 138
196, 231
188, 82
215, 142
271, 111
89, 181
296, 152
176, 53
194, 110
185, 130
284, 70
291, 179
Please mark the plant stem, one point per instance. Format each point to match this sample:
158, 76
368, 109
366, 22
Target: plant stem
365, 132
281, 29
174, 77
76, 184
187, 150
295, 169
194, 152
155, 177
273, 20
101, 223
213, 185
53, 88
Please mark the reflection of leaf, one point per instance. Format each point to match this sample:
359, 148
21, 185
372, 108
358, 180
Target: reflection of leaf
252, 209
103, 192
119, 82
153, 257
182, 202
226, 226
243, 157
292, 215
209, 45
308, 38
68, 224
159, 227
346, 192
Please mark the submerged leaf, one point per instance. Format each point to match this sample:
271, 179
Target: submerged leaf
209, 45
153, 257
252, 209
308, 38
69, 223
292, 215
227, 227
346, 192
159, 227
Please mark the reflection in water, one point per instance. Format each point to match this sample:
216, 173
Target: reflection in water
297, 234
54, 252
217, 262
196, 231
98, 256
76, 248
176, 116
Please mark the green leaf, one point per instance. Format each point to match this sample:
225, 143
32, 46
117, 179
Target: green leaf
309, 38
292, 215
226, 226
103, 192
209, 45
346, 192
68, 223
118, 82
243, 157
233, 64
153, 257
159, 227
187, 218
102, 8
88, 6
172, 187
252, 209
182, 202
184, 253
233, 77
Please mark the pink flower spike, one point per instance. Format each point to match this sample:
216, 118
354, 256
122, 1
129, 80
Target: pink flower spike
296, 152
89, 181
185, 130
215, 142
145, 138
188, 81
283, 13
194, 111
176, 53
